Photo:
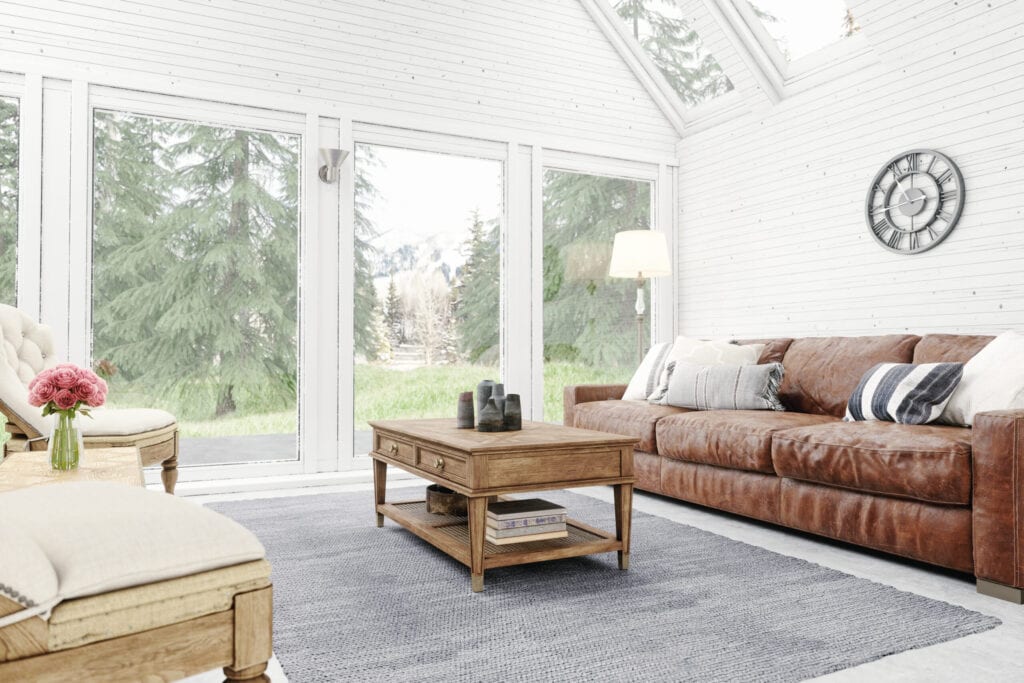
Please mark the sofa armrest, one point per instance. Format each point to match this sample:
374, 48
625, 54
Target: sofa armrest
998, 496
575, 394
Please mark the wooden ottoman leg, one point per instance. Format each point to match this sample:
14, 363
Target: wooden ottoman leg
254, 624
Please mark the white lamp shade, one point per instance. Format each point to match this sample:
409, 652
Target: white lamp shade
639, 254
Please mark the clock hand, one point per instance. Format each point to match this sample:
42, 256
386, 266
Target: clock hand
909, 201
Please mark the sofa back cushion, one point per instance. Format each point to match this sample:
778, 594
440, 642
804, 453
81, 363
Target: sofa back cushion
822, 372
774, 349
949, 348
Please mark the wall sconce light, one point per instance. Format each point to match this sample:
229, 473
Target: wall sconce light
333, 159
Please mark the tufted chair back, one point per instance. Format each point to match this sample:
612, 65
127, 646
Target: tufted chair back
26, 349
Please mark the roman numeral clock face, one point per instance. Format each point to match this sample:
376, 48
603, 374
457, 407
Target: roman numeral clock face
915, 201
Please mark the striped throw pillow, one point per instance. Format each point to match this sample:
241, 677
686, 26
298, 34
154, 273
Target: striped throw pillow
645, 379
904, 392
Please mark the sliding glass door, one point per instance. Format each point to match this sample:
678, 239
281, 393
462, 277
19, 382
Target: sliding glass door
589, 319
427, 300
195, 272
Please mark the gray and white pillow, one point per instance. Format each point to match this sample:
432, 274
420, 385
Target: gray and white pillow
904, 392
703, 352
645, 379
725, 387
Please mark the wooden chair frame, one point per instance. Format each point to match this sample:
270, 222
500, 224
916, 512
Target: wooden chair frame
239, 640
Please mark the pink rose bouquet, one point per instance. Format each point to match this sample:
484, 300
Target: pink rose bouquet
68, 389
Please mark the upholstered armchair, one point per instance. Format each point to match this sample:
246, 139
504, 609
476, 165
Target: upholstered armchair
26, 349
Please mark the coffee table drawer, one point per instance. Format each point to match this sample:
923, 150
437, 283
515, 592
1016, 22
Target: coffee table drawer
399, 450
539, 468
442, 464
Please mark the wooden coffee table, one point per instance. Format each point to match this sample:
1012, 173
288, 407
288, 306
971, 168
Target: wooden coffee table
484, 466
31, 468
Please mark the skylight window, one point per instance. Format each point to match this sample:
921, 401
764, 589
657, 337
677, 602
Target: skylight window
672, 43
800, 28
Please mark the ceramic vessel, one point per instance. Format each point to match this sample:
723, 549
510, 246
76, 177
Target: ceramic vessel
483, 392
464, 417
513, 413
498, 393
491, 419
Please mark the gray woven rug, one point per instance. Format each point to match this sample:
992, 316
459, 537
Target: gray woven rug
356, 603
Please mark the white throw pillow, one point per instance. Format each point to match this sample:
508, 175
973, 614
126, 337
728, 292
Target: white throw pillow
702, 352
645, 379
993, 380
26, 575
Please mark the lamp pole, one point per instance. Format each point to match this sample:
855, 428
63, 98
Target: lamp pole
640, 310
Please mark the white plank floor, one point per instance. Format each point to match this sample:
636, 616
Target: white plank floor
991, 656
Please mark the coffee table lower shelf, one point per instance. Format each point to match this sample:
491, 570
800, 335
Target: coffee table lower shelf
451, 536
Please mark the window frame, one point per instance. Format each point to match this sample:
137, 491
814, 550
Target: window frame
313, 389
792, 77
662, 177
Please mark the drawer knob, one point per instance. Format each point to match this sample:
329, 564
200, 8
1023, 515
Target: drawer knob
439, 463
394, 449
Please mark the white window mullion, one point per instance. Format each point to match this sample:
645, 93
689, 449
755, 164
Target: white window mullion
346, 300
80, 226
517, 278
30, 195
55, 236
537, 275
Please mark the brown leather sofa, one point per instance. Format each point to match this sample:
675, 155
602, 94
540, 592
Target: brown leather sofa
949, 496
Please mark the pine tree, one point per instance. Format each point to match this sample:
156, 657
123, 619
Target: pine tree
394, 321
368, 322
588, 317
675, 48
8, 199
850, 25
479, 295
218, 307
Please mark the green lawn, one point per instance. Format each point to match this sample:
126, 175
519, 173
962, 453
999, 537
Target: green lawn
383, 393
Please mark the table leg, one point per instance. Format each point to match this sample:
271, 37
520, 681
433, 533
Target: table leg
623, 519
477, 529
380, 480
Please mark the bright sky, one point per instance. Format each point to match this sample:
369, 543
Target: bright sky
804, 26
426, 193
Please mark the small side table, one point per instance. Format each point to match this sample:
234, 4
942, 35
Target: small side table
32, 468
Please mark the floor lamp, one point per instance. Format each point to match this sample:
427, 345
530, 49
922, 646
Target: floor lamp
639, 255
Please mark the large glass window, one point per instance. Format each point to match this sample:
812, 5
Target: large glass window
589, 318
800, 28
9, 133
427, 282
668, 37
195, 280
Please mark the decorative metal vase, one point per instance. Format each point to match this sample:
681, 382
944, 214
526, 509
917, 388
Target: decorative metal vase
483, 392
491, 419
464, 418
66, 442
513, 413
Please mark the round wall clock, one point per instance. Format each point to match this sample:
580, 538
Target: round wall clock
915, 201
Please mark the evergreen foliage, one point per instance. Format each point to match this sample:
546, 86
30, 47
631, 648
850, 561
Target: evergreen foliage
478, 297
674, 46
195, 260
394, 315
8, 199
370, 335
589, 317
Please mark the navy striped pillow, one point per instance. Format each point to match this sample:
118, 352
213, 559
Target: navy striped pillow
903, 392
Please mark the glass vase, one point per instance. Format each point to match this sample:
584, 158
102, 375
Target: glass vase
66, 442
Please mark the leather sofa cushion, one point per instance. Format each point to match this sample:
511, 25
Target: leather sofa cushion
628, 418
949, 348
930, 463
737, 439
774, 349
822, 372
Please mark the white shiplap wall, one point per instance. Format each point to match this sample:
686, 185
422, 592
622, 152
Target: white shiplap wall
519, 69
772, 239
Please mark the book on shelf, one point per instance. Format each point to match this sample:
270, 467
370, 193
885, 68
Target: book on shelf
541, 520
524, 531
527, 538
518, 509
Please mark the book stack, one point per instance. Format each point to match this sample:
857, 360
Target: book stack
520, 521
